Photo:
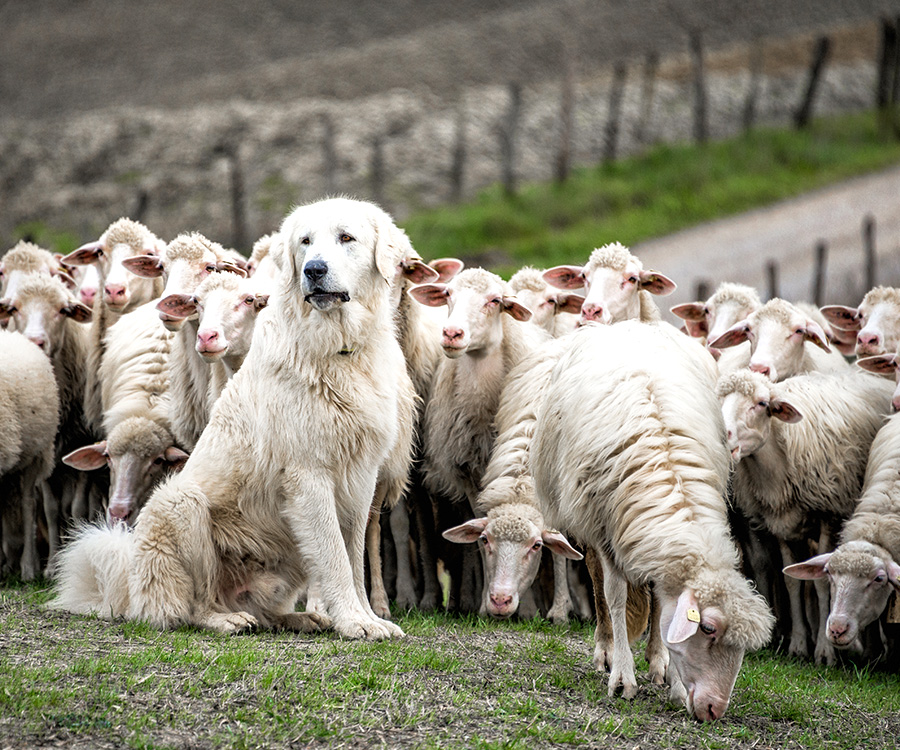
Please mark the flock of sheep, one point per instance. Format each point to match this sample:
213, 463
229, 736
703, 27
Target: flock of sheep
258, 420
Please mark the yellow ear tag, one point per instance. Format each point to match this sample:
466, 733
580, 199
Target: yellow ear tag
893, 615
693, 615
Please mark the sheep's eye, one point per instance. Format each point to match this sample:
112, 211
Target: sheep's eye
763, 404
346, 238
210, 267
800, 331
706, 311
879, 579
707, 629
537, 545
157, 461
483, 539
248, 300
632, 279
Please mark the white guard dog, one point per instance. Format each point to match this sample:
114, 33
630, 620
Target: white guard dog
277, 491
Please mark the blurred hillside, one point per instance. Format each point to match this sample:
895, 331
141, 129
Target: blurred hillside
218, 116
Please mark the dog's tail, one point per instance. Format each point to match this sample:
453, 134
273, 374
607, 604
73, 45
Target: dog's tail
92, 572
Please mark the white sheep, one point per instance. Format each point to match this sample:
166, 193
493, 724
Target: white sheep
629, 455
279, 486
24, 259
185, 263
483, 339
47, 314
554, 311
800, 480
29, 413
875, 323
616, 286
778, 333
729, 304
864, 570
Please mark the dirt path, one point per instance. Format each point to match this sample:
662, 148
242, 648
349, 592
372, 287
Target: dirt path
737, 249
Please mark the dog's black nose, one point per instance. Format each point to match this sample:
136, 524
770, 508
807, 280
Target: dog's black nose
315, 269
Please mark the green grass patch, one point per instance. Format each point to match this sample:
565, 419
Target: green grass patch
666, 189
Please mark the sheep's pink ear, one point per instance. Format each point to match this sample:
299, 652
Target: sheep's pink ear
687, 618
260, 301
809, 570
695, 311
893, 571
656, 283
565, 277
65, 277
516, 309
816, 334
843, 341
84, 255
447, 268
840, 316
880, 364
466, 532
784, 411
556, 542
432, 295
418, 272
178, 305
88, 458
145, 266
735, 335
227, 266
569, 303
696, 329
175, 458
78, 312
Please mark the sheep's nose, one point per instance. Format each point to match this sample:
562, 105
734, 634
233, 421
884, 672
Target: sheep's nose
314, 270
501, 601
761, 369
451, 334
592, 311
87, 295
207, 337
37, 341
114, 292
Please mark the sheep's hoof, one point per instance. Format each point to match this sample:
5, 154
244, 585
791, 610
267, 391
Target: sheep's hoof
825, 655
558, 616
657, 671
798, 648
602, 659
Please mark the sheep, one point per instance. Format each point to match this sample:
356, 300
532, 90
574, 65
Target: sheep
787, 478
261, 506
29, 413
887, 365
553, 311
729, 304
186, 262
778, 332
876, 321
483, 340
262, 263
23, 259
45, 313
863, 571
124, 238
616, 285
629, 454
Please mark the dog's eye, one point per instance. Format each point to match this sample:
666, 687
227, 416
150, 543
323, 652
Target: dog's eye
346, 238
304, 241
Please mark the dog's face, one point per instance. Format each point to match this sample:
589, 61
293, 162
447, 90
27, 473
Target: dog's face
338, 250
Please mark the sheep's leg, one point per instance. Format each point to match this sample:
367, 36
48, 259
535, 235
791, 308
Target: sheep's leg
797, 645
378, 599
29, 563
406, 585
824, 653
603, 634
578, 591
432, 596
52, 513
657, 654
615, 589
562, 604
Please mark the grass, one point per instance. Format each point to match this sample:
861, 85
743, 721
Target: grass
453, 682
666, 189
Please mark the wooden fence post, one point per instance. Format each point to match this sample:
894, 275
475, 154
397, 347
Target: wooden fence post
871, 260
508, 138
702, 290
566, 114
377, 170
329, 155
818, 291
756, 64
804, 114
238, 204
617, 88
458, 163
648, 80
772, 278
701, 130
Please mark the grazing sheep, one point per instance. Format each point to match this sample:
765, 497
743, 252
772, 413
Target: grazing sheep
29, 413
787, 478
778, 333
616, 286
629, 455
553, 311
261, 506
729, 304
876, 322
47, 314
483, 339
863, 571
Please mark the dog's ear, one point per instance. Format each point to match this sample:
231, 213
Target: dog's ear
391, 245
